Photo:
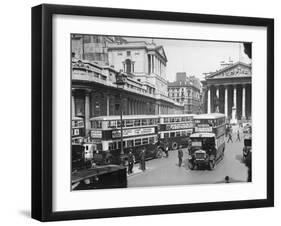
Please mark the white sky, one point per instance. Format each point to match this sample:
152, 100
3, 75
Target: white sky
197, 57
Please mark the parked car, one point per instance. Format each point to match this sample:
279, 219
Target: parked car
106, 176
247, 146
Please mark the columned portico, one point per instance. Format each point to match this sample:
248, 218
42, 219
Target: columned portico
231, 86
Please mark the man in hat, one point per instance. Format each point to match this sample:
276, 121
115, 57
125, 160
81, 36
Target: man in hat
180, 155
142, 160
130, 162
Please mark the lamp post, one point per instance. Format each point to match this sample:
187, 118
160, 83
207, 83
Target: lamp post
121, 80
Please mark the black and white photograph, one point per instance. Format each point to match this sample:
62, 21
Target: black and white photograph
149, 111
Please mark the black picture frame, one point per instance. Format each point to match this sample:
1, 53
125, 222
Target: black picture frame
42, 111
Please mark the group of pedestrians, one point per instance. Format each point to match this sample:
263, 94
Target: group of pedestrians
142, 165
230, 136
131, 161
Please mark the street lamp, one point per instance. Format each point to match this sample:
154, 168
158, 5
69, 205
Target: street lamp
121, 80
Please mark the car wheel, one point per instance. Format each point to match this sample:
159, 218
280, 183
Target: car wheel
159, 153
175, 146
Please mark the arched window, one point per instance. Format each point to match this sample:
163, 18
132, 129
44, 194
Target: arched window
128, 64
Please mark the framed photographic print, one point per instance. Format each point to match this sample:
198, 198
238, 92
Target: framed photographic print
147, 112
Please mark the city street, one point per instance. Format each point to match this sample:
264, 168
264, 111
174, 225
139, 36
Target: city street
165, 171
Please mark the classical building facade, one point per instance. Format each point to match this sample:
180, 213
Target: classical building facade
229, 91
186, 90
94, 90
145, 61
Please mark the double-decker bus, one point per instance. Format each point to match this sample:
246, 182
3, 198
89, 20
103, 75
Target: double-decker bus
139, 132
174, 131
208, 140
78, 130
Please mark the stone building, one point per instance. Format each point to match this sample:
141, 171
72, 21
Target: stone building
229, 91
145, 61
94, 92
93, 48
186, 90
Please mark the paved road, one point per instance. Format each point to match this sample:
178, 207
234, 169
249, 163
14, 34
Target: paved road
166, 171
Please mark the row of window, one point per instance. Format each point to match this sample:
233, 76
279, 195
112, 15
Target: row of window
182, 133
211, 122
126, 123
132, 142
128, 53
177, 119
137, 122
196, 95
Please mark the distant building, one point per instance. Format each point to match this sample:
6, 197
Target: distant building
186, 90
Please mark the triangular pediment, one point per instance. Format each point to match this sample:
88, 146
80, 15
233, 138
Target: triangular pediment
238, 69
161, 52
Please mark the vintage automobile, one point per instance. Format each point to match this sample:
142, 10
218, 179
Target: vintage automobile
106, 176
204, 150
247, 146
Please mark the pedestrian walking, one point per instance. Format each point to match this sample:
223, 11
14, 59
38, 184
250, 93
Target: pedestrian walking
142, 160
238, 136
131, 161
229, 137
180, 155
166, 149
248, 163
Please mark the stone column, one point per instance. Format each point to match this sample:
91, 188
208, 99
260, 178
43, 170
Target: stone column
234, 96
226, 102
72, 106
107, 104
234, 110
244, 102
217, 98
209, 99
87, 112
153, 63
150, 63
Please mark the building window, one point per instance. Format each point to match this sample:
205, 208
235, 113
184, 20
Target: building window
128, 53
128, 65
